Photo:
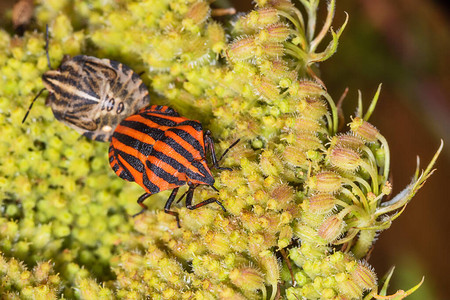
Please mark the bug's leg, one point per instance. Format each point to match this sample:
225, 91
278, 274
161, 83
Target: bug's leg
182, 196
169, 203
140, 201
210, 145
190, 195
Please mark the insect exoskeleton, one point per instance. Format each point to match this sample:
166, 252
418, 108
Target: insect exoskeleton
92, 95
160, 150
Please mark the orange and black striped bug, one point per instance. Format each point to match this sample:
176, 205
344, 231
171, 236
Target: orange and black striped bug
160, 150
92, 95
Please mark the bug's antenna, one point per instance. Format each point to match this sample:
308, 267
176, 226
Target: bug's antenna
31, 105
228, 149
46, 47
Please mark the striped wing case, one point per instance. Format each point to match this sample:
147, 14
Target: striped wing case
94, 95
159, 150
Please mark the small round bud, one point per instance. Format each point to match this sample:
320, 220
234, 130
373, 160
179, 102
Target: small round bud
295, 156
306, 88
321, 202
331, 228
344, 159
349, 288
247, 279
217, 243
347, 141
364, 129
278, 32
266, 88
271, 50
364, 276
306, 124
273, 69
242, 49
285, 236
270, 163
270, 264
216, 35
198, 12
307, 141
261, 18
326, 182
283, 193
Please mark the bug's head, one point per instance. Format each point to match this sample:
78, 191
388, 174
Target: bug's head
52, 80
203, 176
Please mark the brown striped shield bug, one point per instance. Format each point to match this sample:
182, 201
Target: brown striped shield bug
92, 95
160, 150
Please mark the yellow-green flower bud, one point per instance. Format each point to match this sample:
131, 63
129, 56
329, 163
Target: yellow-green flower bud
345, 159
307, 124
266, 88
228, 293
307, 141
364, 276
217, 243
216, 35
306, 88
271, 50
364, 129
348, 287
278, 32
270, 163
284, 5
283, 193
331, 228
198, 12
260, 18
295, 156
325, 182
347, 141
271, 267
285, 236
247, 279
322, 202
242, 49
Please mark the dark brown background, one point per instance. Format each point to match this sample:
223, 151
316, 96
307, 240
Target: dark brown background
404, 44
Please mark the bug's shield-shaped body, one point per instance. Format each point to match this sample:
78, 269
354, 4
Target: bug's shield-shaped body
93, 95
159, 150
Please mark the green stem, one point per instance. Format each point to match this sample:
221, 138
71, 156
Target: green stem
358, 191
326, 26
364, 242
303, 42
300, 18
295, 51
372, 174
293, 21
333, 113
312, 14
363, 182
371, 157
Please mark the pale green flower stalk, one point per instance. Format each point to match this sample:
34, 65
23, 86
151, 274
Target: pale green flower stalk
304, 202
